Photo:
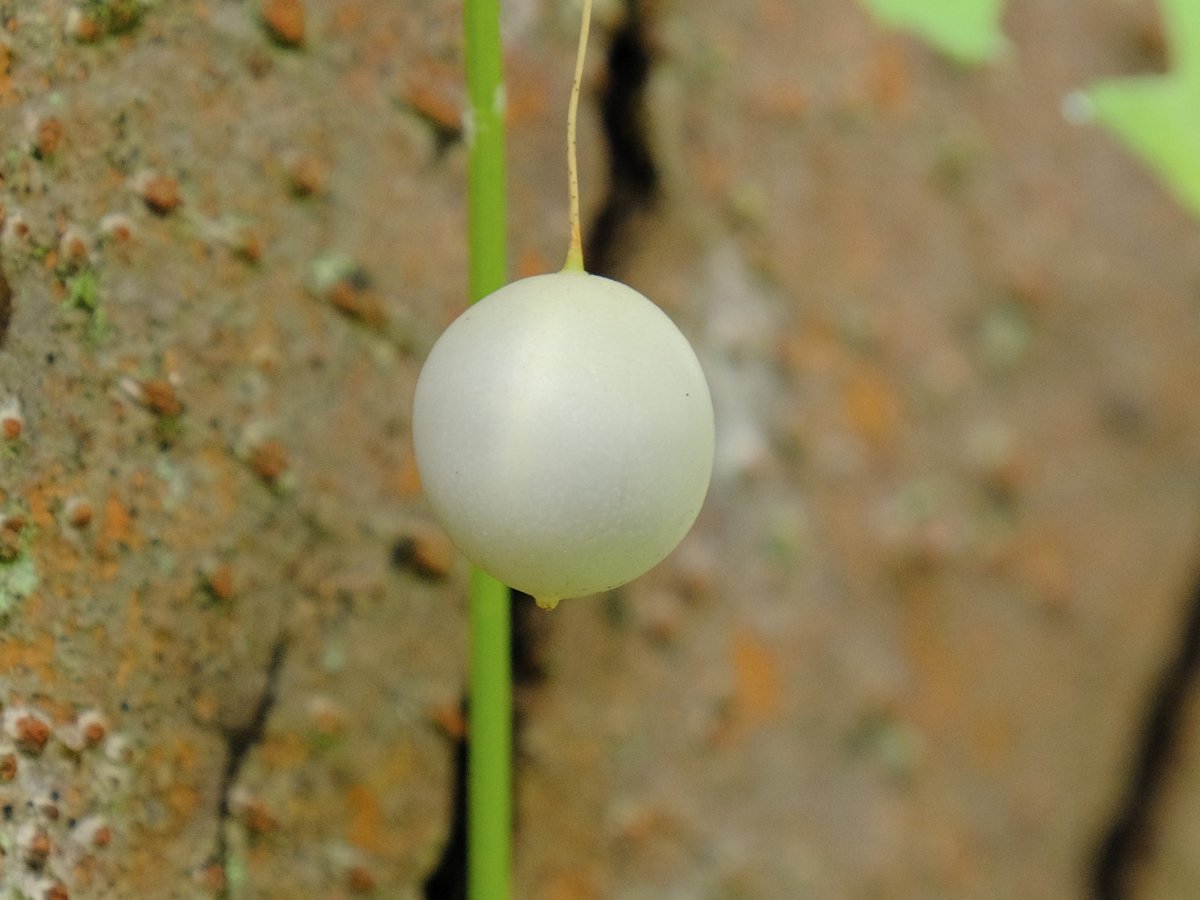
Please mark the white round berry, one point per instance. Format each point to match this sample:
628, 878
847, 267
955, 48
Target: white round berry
563, 430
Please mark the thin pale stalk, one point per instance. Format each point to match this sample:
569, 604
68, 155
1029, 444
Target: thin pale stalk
575, 251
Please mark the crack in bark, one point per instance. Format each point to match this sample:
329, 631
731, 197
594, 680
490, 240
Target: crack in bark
6, 306
633, 172
239, 741
1129, 833
448, 880
633, 185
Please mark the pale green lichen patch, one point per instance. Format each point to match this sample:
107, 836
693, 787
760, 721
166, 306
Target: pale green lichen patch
330, 269
18, 579
100, 18
83, 293
18, 573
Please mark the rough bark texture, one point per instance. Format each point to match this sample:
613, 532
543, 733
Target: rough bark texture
913, 647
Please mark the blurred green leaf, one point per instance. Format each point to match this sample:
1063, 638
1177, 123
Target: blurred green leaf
966, 30
1182, 22
1159, 119
1158, 116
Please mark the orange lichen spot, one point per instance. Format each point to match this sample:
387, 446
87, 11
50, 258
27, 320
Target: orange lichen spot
35, 657
47, 136
160, 398
711, 171
8, 93
90, 25
287, 750
212, 878
871, 406
530, 261
58, 712
183, 800
780, 101
130, 657
939, 678
434, 90
758, 690
127, 666
1041, 564
16, 227
73, 249
406, 480
224, 477
161, 194
40, 497
359, 880
206, 706
78, 512
426, 551
348, 17
571, 885
449, 718
8, 767
328, 720
37, 850
284, 21
117, 227
368, 831
436, 102
117, 528
306, 176
248, 246
30, 733
357, 303
10, 537
173, 359
219, 582
811, 349
991, 740
525, 86
269, 460
890, 77
256, 816
93, 729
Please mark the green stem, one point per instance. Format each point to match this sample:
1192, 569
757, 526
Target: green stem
489, 787
489, 763
486, 231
